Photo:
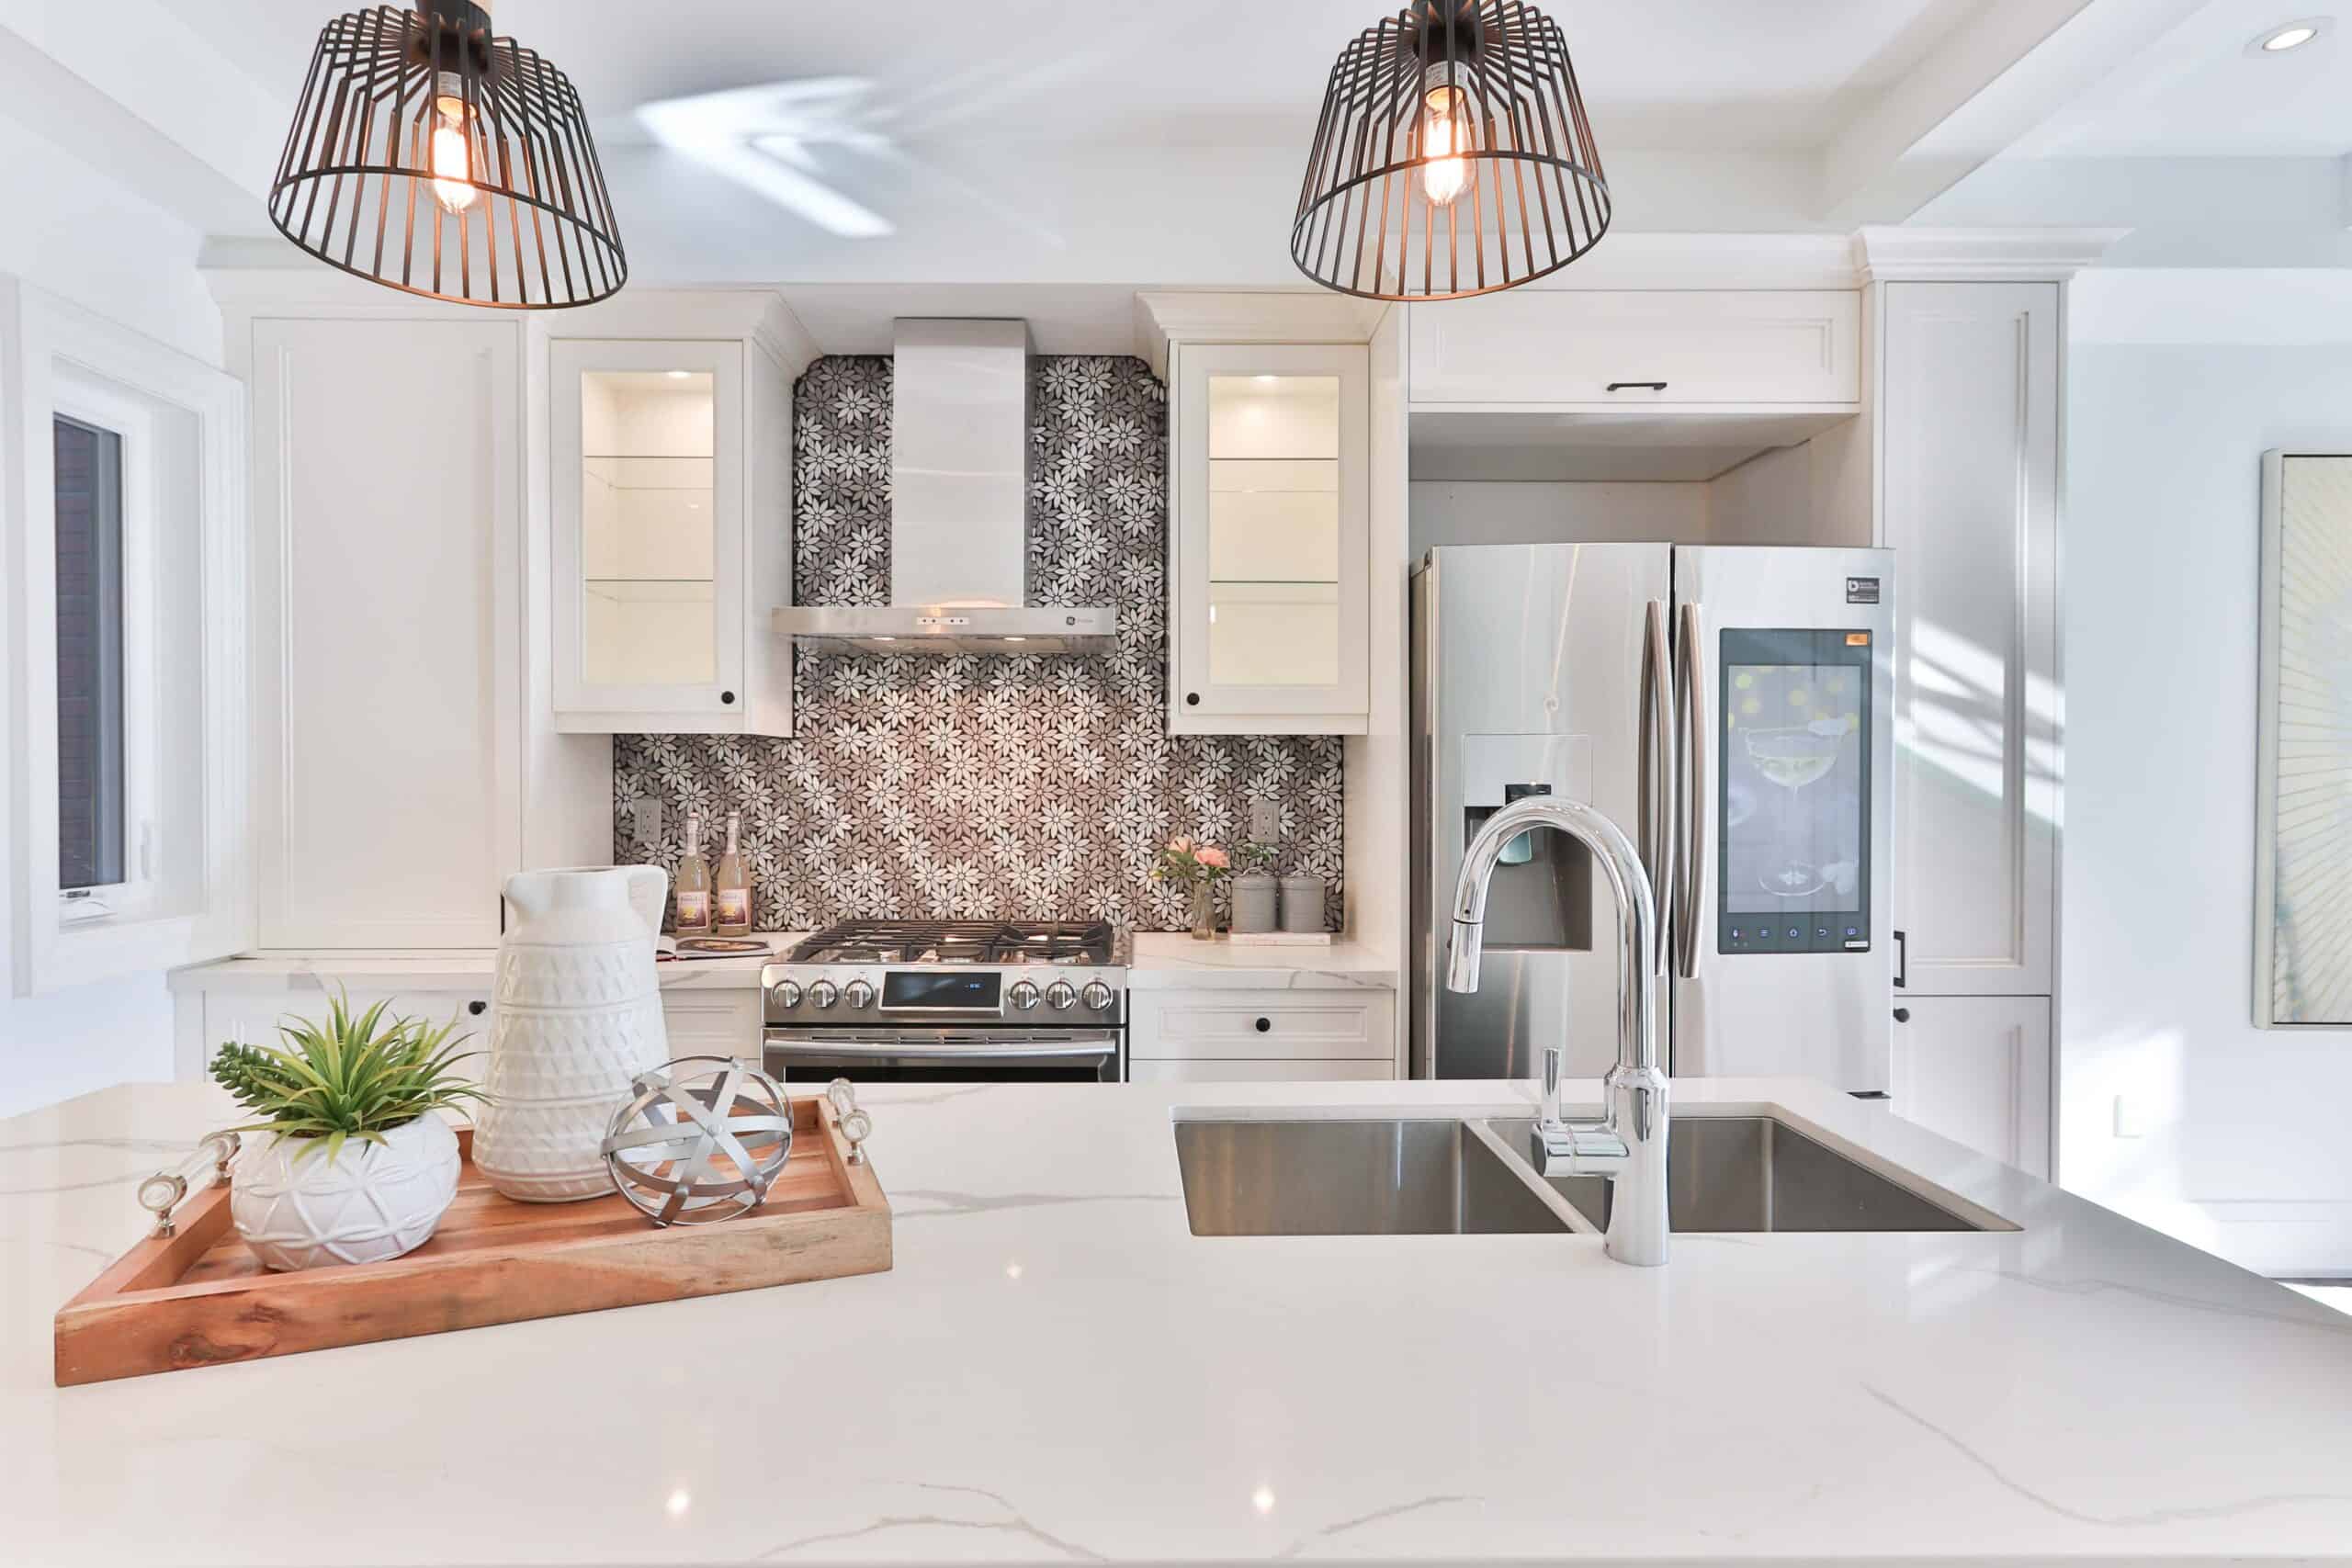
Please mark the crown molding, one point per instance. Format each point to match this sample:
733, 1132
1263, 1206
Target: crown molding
1303, 315
1888, 254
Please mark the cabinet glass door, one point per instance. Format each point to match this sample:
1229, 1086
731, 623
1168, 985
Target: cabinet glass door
647, 526
1273, 529
646, 539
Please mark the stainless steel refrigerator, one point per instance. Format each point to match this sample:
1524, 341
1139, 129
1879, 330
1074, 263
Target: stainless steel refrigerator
1731, 708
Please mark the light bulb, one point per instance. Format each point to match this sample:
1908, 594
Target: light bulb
1447, 175
453, 186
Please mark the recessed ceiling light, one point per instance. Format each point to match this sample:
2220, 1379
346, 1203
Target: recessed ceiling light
677, 375
2290, 34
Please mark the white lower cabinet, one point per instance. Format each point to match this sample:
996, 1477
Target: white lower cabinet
1239, 1036
700, 1023
713, 1024
1976, 1069
1260, 1072
252, 1017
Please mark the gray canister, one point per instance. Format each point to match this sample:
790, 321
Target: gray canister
1301, 903
1253, 903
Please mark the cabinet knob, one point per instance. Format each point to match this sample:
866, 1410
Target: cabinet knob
1264, 1025
727, 696
477, 1009
1902, 1015
1192, 699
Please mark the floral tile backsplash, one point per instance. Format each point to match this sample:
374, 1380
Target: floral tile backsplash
1035, 787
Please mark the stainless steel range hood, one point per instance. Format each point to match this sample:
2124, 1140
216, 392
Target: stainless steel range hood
959, 510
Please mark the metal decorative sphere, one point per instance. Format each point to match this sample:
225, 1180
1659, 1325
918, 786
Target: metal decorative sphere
700, 1138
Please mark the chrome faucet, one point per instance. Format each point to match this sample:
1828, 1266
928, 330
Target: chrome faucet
1628, 1143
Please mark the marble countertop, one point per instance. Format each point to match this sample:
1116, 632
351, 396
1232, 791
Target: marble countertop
1058, 1371
1163, 960
1172, 961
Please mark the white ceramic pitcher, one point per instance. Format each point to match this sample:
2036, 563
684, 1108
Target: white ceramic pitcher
579, 1015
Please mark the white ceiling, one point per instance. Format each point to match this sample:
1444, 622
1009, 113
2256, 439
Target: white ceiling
1747, 75
2199, 93
1088, 147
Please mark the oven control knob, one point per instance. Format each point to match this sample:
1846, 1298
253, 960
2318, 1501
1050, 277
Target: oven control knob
1024, 994
787, 993
1097, 995
822, 993
1059, 996
859, 994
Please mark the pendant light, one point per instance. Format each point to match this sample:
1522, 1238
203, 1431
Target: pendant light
429, 156
1454, 157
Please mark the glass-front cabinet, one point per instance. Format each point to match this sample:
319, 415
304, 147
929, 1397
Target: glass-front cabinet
1269, 631
658, 560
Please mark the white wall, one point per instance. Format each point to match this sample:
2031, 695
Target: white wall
2177, 383
72, 231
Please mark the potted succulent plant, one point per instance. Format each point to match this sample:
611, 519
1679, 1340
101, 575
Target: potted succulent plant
1196, 866
355, 1163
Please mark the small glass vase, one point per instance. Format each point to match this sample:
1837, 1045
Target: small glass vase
1204, 912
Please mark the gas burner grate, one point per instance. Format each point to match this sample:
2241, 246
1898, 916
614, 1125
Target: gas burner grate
959, 941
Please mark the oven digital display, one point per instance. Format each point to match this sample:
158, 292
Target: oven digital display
929, 988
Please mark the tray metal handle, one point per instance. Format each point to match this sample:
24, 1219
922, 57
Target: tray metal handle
206, 1165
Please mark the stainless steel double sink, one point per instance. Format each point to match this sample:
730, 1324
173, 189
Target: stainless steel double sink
1447, 1177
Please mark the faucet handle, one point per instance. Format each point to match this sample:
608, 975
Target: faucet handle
1548, 1114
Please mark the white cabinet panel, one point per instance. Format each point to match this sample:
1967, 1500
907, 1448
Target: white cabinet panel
387, 506
1239, 1071
1269, 609
1261, 1025
1607, 349
1976, 1069
1970, 495
713, 1024
253, 1018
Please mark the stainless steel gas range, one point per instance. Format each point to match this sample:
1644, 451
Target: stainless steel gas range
950, 1002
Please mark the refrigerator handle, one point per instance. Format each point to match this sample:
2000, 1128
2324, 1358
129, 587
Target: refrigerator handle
1690, 693
1656, 786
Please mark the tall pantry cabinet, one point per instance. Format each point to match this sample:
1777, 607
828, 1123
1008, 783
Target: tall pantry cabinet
1969, 362
389, 692
434, 697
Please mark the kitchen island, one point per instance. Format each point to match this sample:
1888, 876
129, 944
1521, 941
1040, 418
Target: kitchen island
1057, 1369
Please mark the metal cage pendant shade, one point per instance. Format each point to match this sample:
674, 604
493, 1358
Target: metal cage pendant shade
1454, 157
429, 156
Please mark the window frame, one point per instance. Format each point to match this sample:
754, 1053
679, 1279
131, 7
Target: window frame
185, 599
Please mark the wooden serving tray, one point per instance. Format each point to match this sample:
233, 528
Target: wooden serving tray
200, 1297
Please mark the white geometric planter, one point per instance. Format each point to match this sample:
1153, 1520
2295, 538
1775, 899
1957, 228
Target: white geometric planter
370, 1203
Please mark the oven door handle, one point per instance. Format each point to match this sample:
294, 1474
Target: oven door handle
980, 1051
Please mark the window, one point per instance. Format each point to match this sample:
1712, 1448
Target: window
115, 468
127, 513
88, 481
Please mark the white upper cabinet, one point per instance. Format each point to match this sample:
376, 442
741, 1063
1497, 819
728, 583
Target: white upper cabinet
1599, 350
1968, 501
670, 545
388, 503
1268, 631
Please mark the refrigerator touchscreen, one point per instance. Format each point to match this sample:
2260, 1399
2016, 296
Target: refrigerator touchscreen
1794, 808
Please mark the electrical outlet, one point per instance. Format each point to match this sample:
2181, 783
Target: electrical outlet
1265, 820
645, 820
